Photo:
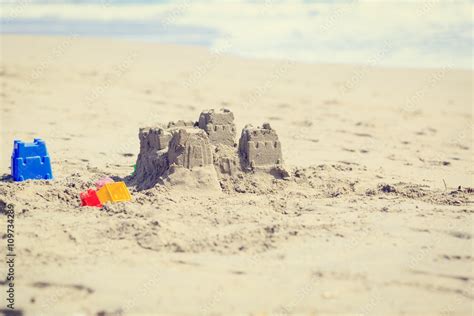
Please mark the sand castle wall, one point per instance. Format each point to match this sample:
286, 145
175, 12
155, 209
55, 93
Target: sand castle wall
190, 148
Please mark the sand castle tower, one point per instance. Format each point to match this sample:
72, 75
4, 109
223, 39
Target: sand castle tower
152, 160
260, 147
219, 126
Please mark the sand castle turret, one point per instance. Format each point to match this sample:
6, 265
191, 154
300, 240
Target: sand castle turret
154, 138
219, 126
152, 160
260, 146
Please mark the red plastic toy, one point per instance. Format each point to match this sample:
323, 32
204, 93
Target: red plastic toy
90, 198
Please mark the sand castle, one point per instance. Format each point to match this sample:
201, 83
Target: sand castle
208, 143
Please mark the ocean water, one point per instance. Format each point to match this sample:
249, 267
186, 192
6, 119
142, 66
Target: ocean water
381, 33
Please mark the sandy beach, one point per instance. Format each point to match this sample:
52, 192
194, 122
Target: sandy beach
376, 217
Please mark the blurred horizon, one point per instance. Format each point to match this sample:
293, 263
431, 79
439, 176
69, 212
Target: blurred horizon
389, 34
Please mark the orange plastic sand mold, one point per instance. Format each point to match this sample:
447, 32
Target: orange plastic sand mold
114, 192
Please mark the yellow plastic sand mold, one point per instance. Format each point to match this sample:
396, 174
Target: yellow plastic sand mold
114, 192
